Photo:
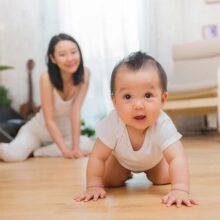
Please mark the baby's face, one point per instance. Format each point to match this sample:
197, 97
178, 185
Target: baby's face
138, 97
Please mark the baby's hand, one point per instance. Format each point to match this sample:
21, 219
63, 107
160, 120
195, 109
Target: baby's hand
92, 193
178, 197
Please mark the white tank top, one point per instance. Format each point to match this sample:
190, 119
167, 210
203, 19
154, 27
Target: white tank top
61, 115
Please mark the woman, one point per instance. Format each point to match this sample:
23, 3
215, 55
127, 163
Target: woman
63, 88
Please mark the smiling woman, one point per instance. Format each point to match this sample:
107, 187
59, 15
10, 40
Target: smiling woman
63, 89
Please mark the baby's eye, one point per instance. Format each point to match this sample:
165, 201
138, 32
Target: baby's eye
127, 96
148, 95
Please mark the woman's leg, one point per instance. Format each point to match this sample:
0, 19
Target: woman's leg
21, 147
115, 174
159, 174
52, 150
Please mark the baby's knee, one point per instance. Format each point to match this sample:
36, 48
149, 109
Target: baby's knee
110, 181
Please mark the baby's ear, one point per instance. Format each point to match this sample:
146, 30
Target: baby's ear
164, 97
113, 99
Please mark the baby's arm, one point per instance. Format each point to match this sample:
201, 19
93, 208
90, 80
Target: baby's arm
179, 176
95, 172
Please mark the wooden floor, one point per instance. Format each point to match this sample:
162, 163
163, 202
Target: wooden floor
43, 189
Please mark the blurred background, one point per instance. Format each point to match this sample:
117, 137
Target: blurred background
107, 30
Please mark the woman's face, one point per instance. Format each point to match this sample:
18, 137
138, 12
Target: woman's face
66, 56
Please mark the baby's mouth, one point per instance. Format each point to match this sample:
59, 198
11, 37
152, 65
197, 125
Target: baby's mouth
140, 117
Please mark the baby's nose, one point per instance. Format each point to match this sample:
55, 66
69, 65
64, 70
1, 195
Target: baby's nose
138, 103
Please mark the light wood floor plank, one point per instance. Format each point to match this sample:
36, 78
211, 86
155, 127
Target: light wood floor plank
42, 188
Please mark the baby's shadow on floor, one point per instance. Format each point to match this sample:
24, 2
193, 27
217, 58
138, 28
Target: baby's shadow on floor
139, 185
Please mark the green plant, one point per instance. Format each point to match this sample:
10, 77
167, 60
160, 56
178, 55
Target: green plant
5, 101
85, 130
4, 67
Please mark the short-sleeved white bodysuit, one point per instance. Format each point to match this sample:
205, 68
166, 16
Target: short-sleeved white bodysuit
113, 133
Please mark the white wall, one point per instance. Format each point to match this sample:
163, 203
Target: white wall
26, 27
24, 34
198, 13
167, 29
178, 21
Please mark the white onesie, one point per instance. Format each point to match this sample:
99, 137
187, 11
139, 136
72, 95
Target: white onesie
113, 133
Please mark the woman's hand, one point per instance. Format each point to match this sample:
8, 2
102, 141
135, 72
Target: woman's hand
68, 153
178, 197
92, 193
77, 153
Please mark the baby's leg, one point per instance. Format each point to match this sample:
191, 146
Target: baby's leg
115, 174
21, 147
159, 174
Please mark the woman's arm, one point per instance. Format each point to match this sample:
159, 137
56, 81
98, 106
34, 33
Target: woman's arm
47, 102
95, 173
76, 115
179, 176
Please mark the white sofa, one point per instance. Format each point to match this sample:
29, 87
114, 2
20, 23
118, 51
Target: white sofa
195, 86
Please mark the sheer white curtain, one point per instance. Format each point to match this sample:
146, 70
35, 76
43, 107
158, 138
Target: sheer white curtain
107, 30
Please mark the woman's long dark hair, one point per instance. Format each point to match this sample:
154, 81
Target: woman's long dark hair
53, 69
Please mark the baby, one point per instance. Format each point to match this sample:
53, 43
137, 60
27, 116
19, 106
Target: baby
138, 136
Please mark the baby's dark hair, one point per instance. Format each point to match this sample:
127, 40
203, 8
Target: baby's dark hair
136, 61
